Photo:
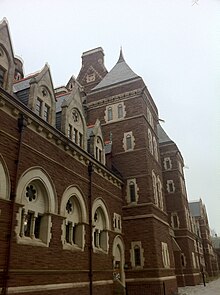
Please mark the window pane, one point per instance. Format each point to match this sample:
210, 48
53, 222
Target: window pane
68, 228
109, 114
120, 111
37, 227
27, 224
46, 113
38, 107
137, 256
1, 77
128, 142
132, 192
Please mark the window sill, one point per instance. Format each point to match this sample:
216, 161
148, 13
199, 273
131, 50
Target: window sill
71, 247
99, 250
31, 242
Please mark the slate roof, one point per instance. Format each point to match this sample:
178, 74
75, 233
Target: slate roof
163, 137
121, 72
194, 208
23, 84
60, 100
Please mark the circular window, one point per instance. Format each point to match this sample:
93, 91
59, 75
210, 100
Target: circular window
31, 193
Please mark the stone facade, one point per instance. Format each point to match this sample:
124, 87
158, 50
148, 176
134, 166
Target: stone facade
92, 199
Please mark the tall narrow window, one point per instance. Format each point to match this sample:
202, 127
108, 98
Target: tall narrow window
154, 180
167, 163
46, 112
120, 111
137, 256
150, 142
132, 191
39, 107
70, 130
155, 148
110, 115
2, 74
128, 142
75, 139
170, 186
80, 139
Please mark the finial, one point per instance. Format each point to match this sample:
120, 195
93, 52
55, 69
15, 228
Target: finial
121, 57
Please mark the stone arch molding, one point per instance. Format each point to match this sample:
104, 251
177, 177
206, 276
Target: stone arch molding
118, 245
69, 192
4, 180
37, 174
98, 203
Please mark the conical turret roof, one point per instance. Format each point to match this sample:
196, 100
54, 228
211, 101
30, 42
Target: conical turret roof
121, 72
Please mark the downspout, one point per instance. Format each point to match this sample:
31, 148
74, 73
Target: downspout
21, 125
90, 170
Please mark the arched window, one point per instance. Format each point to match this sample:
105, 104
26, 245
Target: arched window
120, 111
128, 142
100, 227
74, 211
99, 150
4, 180
75, 127
132, 191
150, 141
118, 259
154, 181
36, 193
159, 193
110, 114
4, 66
155, 148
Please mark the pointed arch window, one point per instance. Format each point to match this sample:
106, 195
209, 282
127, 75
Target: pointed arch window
120, 111
150, 142
154, 180
110, 114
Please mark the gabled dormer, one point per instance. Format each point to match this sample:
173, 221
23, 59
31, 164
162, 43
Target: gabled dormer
95, 142
37, 92
7, 64
70, 117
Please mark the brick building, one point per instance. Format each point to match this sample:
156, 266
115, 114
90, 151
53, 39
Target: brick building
84, 207
198, 210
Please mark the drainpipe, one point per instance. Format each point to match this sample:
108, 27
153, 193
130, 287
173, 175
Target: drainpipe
21, 125
90, 170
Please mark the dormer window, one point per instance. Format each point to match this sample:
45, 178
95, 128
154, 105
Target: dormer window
39, 107
2, 74
46, 112
75, 116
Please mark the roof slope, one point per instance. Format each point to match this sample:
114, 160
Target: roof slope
163, 137
121, 72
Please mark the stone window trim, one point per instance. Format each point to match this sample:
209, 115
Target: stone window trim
155, 148
73, 231
137, 255
170, 186
101, 227
115, 112
167, 163
132, 191
4, 180
128, 141
175, 223
118, 251
150, 140
165, 255
117, 224
160, 193
75, 127
90, 78
2, 77
36, 208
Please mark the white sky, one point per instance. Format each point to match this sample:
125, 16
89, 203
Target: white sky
173, 44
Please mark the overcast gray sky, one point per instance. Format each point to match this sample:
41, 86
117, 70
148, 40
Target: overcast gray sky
173, 44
